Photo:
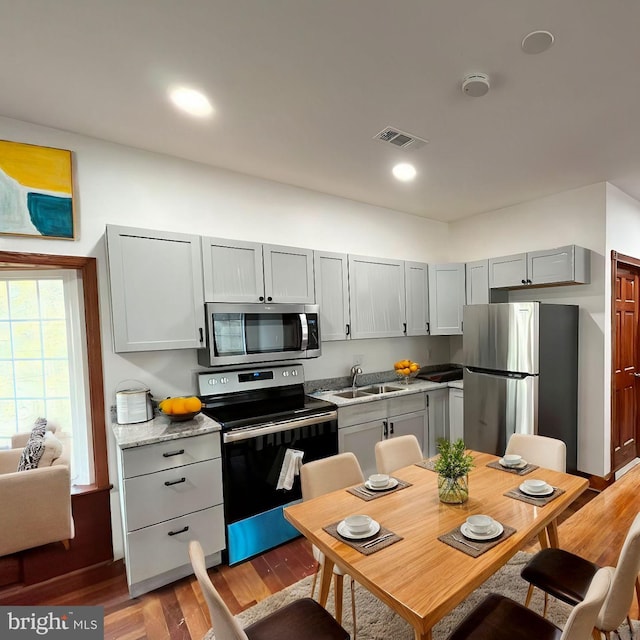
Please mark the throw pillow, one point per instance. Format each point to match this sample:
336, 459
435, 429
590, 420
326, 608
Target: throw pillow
52, 450
34, 449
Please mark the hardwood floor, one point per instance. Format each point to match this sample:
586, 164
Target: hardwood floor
594, 526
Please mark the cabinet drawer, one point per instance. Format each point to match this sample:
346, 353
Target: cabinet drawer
363, 412
407, 404
152, 550
160, 496
173, 453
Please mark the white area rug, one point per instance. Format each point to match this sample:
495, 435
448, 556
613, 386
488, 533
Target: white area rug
377, 622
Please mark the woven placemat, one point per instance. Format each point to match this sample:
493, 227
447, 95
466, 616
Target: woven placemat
363, 493
427, 464
361, 545
538, 502
475, 548
528, 468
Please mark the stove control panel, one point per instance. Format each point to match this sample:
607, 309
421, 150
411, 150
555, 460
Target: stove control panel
230, 381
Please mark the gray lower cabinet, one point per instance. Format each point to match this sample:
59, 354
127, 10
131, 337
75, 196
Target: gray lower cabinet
360, 426
170, 494
236, 271
157, 298
438, 407
456, 414
332, 294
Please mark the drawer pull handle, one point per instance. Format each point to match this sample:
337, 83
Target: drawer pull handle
175, 533
173, 453
168, 483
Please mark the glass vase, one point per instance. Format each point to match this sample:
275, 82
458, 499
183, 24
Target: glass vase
453, 490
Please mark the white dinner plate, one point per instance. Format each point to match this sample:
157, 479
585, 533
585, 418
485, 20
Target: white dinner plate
494, 532
345, 533
521, 465
392, 484
546, 492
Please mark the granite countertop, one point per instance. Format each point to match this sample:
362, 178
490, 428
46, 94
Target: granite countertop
416, 386
160, 429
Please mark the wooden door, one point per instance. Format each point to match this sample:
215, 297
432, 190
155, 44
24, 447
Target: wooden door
625, 367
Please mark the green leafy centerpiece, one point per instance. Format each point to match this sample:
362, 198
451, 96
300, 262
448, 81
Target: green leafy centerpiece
453, 466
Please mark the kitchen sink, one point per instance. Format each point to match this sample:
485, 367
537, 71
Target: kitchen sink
349, 395
380, 388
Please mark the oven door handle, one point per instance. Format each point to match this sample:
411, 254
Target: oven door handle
276, 427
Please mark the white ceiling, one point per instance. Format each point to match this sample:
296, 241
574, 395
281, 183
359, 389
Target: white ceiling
300, 88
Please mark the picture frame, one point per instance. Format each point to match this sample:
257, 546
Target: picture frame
36, 191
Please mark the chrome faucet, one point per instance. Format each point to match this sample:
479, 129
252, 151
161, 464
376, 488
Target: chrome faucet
355, 370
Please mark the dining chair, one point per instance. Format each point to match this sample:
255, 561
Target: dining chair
567, 576
542, 451
323, 476
397, 452
303, 618
500, 618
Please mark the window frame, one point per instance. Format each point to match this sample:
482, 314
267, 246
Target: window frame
88, 272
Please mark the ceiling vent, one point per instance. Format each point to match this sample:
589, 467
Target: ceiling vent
400, 139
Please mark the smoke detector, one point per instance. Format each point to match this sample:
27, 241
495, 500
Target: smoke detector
476, 85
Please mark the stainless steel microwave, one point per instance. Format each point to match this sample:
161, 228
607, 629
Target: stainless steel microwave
248, 333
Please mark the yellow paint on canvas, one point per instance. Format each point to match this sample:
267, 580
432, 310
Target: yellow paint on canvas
37, 167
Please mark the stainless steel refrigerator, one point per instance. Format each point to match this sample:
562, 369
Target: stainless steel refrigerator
520, 374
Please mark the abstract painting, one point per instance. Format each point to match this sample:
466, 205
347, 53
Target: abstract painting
36, 191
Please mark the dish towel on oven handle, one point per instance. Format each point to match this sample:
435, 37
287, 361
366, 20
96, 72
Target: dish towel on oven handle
290, 468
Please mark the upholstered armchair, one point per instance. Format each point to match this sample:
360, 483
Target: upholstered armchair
35, 504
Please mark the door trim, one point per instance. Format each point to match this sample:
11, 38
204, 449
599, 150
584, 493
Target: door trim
617, 260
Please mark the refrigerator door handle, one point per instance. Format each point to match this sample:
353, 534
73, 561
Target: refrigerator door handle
499, 374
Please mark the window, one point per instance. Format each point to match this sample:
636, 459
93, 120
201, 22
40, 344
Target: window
43, 363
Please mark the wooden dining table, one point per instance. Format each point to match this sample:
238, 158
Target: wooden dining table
420, 577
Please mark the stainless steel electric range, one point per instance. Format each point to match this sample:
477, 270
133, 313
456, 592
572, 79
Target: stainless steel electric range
269, 425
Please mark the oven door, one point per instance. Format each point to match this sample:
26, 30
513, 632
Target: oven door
239, 334
254, 467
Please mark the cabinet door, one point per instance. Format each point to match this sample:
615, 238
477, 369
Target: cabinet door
332, 294
438, 410
508, 271
376, 297
232, 270
477, 278
446, 298
411, 424
553, 266
156, 289
416, 279
288, 274
456, 414
361, 440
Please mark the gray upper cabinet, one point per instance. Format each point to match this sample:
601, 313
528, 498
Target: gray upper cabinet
416, 278
288, 274
236, 271
232, 270
332, 294
477, 281
376, 297
156, 289
446, 298
564, 265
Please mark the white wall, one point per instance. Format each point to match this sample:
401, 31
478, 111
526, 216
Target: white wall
571, 217
121, 185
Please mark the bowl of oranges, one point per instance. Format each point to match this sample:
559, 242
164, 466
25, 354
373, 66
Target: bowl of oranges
406, 368
181, 408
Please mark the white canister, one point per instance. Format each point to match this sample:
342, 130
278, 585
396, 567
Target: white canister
133, 405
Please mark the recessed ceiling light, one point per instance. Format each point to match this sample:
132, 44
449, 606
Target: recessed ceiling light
191, 101
537, 41
404, 172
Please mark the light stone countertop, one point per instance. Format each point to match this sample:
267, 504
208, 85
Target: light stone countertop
416, 386
456, 384
160, 429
